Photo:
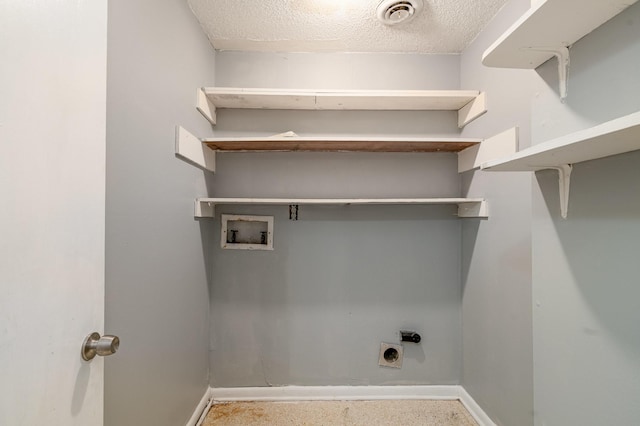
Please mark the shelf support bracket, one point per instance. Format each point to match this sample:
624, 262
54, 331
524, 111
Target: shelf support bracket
472, 110
204, 208
500, 145
564, 180
478, 209
206, 107
190, 149
562, 55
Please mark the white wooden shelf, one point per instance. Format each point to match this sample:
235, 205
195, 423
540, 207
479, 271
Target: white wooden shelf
613, 137
339, 144
548, 24
547, 30
470, 104
471, 152
467, 207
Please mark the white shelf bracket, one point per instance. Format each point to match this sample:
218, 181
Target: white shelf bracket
562, 55
206, 107
472, 110
191, 149
500, 145
478, 209
204, 209
564, 180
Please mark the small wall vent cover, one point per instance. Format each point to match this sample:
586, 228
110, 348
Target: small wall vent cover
392, 12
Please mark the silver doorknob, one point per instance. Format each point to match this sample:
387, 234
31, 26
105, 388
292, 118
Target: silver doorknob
95, 345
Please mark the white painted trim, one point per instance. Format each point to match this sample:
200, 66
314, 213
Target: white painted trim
201, 409
335, 393
476, 411
206, 107
190, 149
499, 146
354, 393
472, 110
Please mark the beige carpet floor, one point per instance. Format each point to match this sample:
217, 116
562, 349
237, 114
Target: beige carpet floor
365, 413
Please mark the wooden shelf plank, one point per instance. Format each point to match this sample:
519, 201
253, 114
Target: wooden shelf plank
253, 98
549, 24
467, 207
613, 137
339, 144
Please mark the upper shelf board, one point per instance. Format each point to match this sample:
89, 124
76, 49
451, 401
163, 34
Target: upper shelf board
229, 97
470, 104
613, 137
337, 144
546, 26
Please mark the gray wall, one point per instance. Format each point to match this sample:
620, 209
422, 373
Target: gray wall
586, 292
156, 280
341, 279
581, 316
496, 253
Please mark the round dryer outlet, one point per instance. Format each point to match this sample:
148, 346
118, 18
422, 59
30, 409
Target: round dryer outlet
393, 12
390, 355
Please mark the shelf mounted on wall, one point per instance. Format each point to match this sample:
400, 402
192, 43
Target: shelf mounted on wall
471, 152
613, 137
467, 207
470, 104
548, 29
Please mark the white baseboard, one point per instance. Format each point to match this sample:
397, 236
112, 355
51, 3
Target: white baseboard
352, 393
472, 407
201, 410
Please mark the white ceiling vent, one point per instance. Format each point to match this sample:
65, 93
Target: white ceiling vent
392, 12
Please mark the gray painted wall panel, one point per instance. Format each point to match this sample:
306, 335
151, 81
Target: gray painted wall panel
496, 253
341, 279
339, 282
329, 175
156, 274
338, 70
586, 338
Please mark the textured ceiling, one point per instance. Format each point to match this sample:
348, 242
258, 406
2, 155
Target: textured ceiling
443, 26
